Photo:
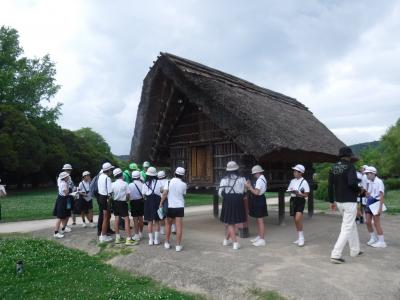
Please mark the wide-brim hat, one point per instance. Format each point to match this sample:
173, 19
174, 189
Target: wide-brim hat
67, 167
151, 171
257, 169
232, 166
370, 170
135, 174
86, 173
117, 172
107, 167
63, 175
180, 171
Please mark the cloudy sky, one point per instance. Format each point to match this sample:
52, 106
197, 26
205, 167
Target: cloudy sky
339, 58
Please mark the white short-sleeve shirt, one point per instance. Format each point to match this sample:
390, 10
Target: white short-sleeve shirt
227, 184
297, 184
120, 190
154, 185
376, 187
162, 183
261, 184
176, 190
62, 187
104, 185
84, 187
135, 190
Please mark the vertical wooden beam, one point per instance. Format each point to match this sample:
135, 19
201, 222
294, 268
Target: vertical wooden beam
281, 210
216, 204
311, 201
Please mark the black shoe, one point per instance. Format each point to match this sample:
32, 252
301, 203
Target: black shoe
337, 260
360, 254
110, 231
361, 220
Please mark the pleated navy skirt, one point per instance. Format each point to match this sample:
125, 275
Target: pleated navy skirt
233, 211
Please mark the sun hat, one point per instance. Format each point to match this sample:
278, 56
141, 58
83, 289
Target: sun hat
257, 169
299, 168
133, 167
161, 175
67, 167
107, 167
180, 171
135, 174
117, 171
232, 166
371, 169
151, 171
86, 173
63, 175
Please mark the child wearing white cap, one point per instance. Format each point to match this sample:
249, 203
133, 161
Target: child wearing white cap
60, 208
258, 203
232, 191
175, 191
162, 178
299, 191
86, 203
151, 191
120, 192
104, 194
137, 204
375, 193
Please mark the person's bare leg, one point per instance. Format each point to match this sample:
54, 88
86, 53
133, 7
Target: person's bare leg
179, 230
127, 227
299, 221
368, 222
116, 225
232, 233
168, 222
141, 225
90, 215
156, 226
150, 227
106, 220
377, 224
261, 228
57, 226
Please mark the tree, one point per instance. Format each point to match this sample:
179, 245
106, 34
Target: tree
390, 143
26, 83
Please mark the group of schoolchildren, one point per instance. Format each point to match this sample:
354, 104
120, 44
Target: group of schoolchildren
153, 199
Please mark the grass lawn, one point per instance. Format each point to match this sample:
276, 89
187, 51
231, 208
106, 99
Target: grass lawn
56, 272
39, 204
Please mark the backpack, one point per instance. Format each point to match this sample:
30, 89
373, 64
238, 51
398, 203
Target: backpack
93, 188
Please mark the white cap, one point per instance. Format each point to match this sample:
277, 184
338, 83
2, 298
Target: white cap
151, 171
299, 168
63, 175
161, 175
180, 171
107, 167
364, 166
146, 164
67, 167
117, 171
257, 169
370, 169
135, 174
86, 173
232, 166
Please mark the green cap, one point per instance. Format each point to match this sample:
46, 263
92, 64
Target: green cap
133, 167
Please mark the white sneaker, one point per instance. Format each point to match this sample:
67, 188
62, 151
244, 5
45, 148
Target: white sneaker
226, 242
67, 229
372, 241
259, 243
255, 239
136, 237
156, 242
296, 242
178, 248
379, 244
162, 230
301, 243
151, 242
167, 245
84, 225
236, 246
140, 235
58, 235
104, 239
92, 225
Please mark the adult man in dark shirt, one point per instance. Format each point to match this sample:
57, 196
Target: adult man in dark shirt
343, 192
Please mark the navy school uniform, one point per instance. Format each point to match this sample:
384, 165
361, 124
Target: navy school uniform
232, 192
258, 203
152, 194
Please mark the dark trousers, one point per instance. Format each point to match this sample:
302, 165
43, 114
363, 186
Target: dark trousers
100, 220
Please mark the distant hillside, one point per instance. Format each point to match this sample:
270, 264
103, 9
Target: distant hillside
358, 148
123, 157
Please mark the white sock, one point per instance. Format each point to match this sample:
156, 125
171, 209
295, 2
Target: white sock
301, 235
150, 236
373, 235
156, 235
117, 235
381, 239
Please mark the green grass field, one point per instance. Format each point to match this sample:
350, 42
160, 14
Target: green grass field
39, 204
52, 271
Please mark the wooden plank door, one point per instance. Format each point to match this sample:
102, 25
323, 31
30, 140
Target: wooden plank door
201, 170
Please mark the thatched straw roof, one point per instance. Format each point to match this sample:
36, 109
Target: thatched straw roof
265, 124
